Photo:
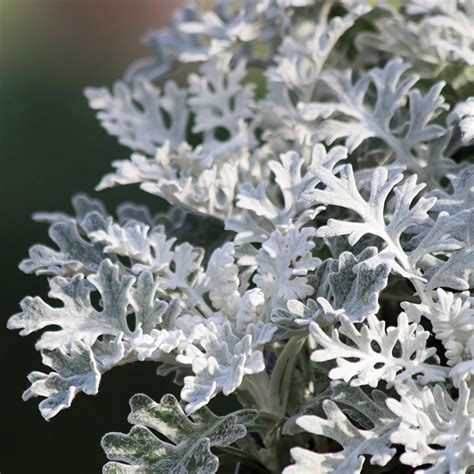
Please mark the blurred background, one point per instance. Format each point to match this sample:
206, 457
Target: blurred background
51, 147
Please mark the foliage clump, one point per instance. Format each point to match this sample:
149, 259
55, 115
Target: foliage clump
333, 141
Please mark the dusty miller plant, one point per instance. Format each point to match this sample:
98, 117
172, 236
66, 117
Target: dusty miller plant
333, 142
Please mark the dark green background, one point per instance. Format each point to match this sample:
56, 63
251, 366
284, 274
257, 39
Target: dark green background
52, 147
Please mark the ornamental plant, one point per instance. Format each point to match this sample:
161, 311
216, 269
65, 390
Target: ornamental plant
331, 143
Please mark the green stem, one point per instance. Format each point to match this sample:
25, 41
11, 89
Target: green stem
283, 372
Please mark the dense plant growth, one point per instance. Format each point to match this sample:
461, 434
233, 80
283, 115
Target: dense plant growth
333, 143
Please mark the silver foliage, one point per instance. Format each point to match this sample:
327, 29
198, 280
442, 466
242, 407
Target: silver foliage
431, 417
374, 441
374, 364
189, 440
330, 145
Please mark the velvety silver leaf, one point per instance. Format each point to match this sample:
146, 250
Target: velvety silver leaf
134, 113
186, 444
75, 371
356, 443
75, 254
356, 282
77, 319
368, 355
435, 429
359, 121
